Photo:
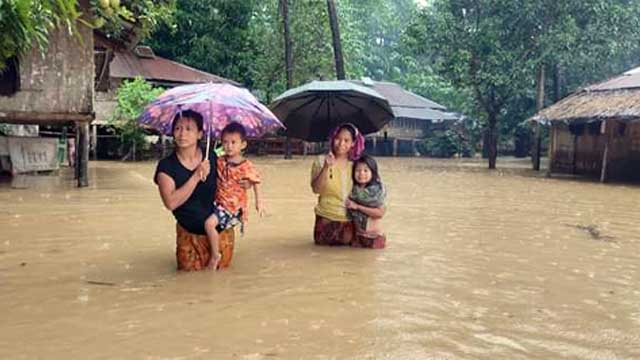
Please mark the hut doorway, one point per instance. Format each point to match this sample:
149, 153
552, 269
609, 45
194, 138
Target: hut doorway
10, 78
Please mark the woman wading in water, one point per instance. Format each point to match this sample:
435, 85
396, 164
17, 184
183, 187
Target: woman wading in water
331, 179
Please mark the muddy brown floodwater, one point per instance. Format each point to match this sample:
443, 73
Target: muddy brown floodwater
479, 265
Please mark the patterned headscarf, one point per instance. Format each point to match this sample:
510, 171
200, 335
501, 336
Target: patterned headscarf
358, 141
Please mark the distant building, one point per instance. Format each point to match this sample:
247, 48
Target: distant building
415, 118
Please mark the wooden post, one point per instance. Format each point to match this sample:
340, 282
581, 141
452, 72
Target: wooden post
605, 156
552, 144
539, 105
66, 144
163, 144
82, 149
76, 153
94, 141
287, 148
395, 147
575, 153
375, 145
414, 150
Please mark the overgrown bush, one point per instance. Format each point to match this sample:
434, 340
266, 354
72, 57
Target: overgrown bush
445, 144
132, 96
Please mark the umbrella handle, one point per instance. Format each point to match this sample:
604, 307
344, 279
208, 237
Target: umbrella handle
206, 155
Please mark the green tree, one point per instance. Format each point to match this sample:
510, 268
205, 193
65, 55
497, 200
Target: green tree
268, 70
211, 35
112, 16
338, 58
132, 96
311, 39
373, 32
312, 50
27, 23
494, 47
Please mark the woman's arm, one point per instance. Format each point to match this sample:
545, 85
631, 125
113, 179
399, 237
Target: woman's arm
173, 198
372, 212
320, 180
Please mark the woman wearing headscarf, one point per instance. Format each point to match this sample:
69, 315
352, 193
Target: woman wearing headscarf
331, 180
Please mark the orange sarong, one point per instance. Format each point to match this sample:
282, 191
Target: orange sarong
194, 251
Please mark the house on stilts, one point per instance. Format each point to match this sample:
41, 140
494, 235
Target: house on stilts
54, 89
415, 117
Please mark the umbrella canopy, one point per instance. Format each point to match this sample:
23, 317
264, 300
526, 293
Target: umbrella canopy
219, 104
311, 111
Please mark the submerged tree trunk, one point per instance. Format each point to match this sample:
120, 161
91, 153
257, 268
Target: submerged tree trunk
288, 61
557, 83
288, 53
337, 45
492, 139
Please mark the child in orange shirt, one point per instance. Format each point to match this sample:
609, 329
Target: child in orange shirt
231, 203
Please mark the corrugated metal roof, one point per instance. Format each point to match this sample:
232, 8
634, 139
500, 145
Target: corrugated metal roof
406, 104
421, 113
127, 65
397, 96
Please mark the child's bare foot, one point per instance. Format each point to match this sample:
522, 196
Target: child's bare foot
215, 261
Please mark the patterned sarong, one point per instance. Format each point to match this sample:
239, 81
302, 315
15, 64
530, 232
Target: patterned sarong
332, 233
373, 241
194, 251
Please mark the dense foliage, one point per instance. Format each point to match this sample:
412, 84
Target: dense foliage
132, 96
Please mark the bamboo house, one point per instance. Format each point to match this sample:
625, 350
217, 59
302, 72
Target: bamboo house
596, 130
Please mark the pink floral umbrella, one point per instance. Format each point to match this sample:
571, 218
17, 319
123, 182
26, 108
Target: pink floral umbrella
219, 104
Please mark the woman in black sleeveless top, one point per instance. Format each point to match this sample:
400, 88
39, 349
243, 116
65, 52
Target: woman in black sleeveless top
185, 180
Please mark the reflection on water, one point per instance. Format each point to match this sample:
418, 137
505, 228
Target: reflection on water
479, 265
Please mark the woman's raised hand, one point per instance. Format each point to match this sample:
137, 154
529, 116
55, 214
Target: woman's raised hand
330, 159
203, 170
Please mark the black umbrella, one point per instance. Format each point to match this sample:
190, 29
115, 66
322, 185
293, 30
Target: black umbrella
311, 111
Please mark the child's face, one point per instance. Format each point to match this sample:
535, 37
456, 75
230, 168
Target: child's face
342, 143
363, 174
233, 144
186, 132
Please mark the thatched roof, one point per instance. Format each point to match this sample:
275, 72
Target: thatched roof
617, 98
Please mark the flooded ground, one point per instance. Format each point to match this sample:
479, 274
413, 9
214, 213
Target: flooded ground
479, 265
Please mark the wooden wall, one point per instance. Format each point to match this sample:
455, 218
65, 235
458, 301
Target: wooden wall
59, 83
403, 128
583, 154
